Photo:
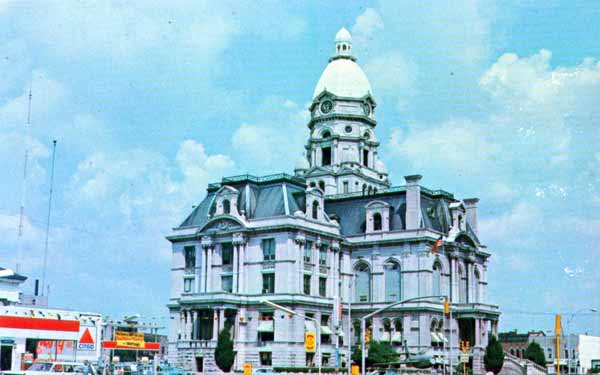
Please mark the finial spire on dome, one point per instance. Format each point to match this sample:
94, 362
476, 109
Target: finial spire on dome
343, 43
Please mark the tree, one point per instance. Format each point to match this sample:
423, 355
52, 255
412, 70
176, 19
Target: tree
378, 352
535, 353
494, 356
224, 354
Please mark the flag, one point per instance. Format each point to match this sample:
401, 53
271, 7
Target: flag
436, 245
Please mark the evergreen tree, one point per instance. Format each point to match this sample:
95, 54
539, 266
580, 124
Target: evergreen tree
494, 356
535, 353
224, 354
378, 352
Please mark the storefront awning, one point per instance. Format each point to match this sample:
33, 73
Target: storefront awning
325, 330
397, 337
265, 326
340, 333
385, 336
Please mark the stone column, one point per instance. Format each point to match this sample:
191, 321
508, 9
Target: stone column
209, 262
181, 325
215, 332
242, 275
315, 273
239, 243
194, 325
201, 274
188, 325
236, 248
300, 241
207, 243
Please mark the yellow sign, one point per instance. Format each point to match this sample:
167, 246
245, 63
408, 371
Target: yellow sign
310, 342
130, 339
355, 369
247, 368
446, 306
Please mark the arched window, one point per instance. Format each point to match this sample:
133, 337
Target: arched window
370, 190
312, 184
392, 281
512, 351
437, 279
315, 210
326, 134
226, 206
462, 288
362, 285
322, 185
387, 325
367, 135
364, 189
476, 295
376, 221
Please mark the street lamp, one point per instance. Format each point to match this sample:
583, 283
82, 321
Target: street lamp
592, 309
317, 324
363, 323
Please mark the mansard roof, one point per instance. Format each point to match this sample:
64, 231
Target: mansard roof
259, 197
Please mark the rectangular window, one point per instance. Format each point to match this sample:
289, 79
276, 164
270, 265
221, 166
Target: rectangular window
307, 284
187, 284
325, 362
308, 251
322, 286
366, 158
268, 248
227, 253
268, 283
326, 152
323, 256
266, 327
346, 187
190, 257
310, 359
227, 283
265, 359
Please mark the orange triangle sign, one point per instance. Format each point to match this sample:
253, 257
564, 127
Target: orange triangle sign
86, 338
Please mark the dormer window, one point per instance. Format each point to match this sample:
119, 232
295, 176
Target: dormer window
322, 185
378, 216
226, 206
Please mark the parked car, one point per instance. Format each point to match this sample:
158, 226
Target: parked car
169, 370
263, 371
46, 368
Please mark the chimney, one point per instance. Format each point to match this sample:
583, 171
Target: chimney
36, 290
471, 207
413, 202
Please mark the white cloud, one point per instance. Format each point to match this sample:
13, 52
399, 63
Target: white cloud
514, 227
393, 74
366, 26
282, 133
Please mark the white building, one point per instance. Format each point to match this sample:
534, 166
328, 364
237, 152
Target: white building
334, 231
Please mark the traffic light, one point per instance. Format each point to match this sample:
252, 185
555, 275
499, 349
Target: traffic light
368, 336
446, 306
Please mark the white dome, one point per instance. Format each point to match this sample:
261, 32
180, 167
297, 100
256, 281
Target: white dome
343, 77
343, 35
301, 164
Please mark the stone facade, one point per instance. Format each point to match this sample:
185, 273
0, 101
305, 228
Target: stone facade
331, 238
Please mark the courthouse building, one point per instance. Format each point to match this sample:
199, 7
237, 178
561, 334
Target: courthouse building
335, 232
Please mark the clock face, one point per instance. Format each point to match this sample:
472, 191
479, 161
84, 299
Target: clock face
366, 108
326, 106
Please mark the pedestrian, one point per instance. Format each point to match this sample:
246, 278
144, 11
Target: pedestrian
87, 368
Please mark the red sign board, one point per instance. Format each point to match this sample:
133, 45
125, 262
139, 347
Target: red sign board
20, 322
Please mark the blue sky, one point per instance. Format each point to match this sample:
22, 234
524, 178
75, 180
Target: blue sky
150, 101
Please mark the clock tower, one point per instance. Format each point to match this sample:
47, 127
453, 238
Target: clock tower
342, 149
